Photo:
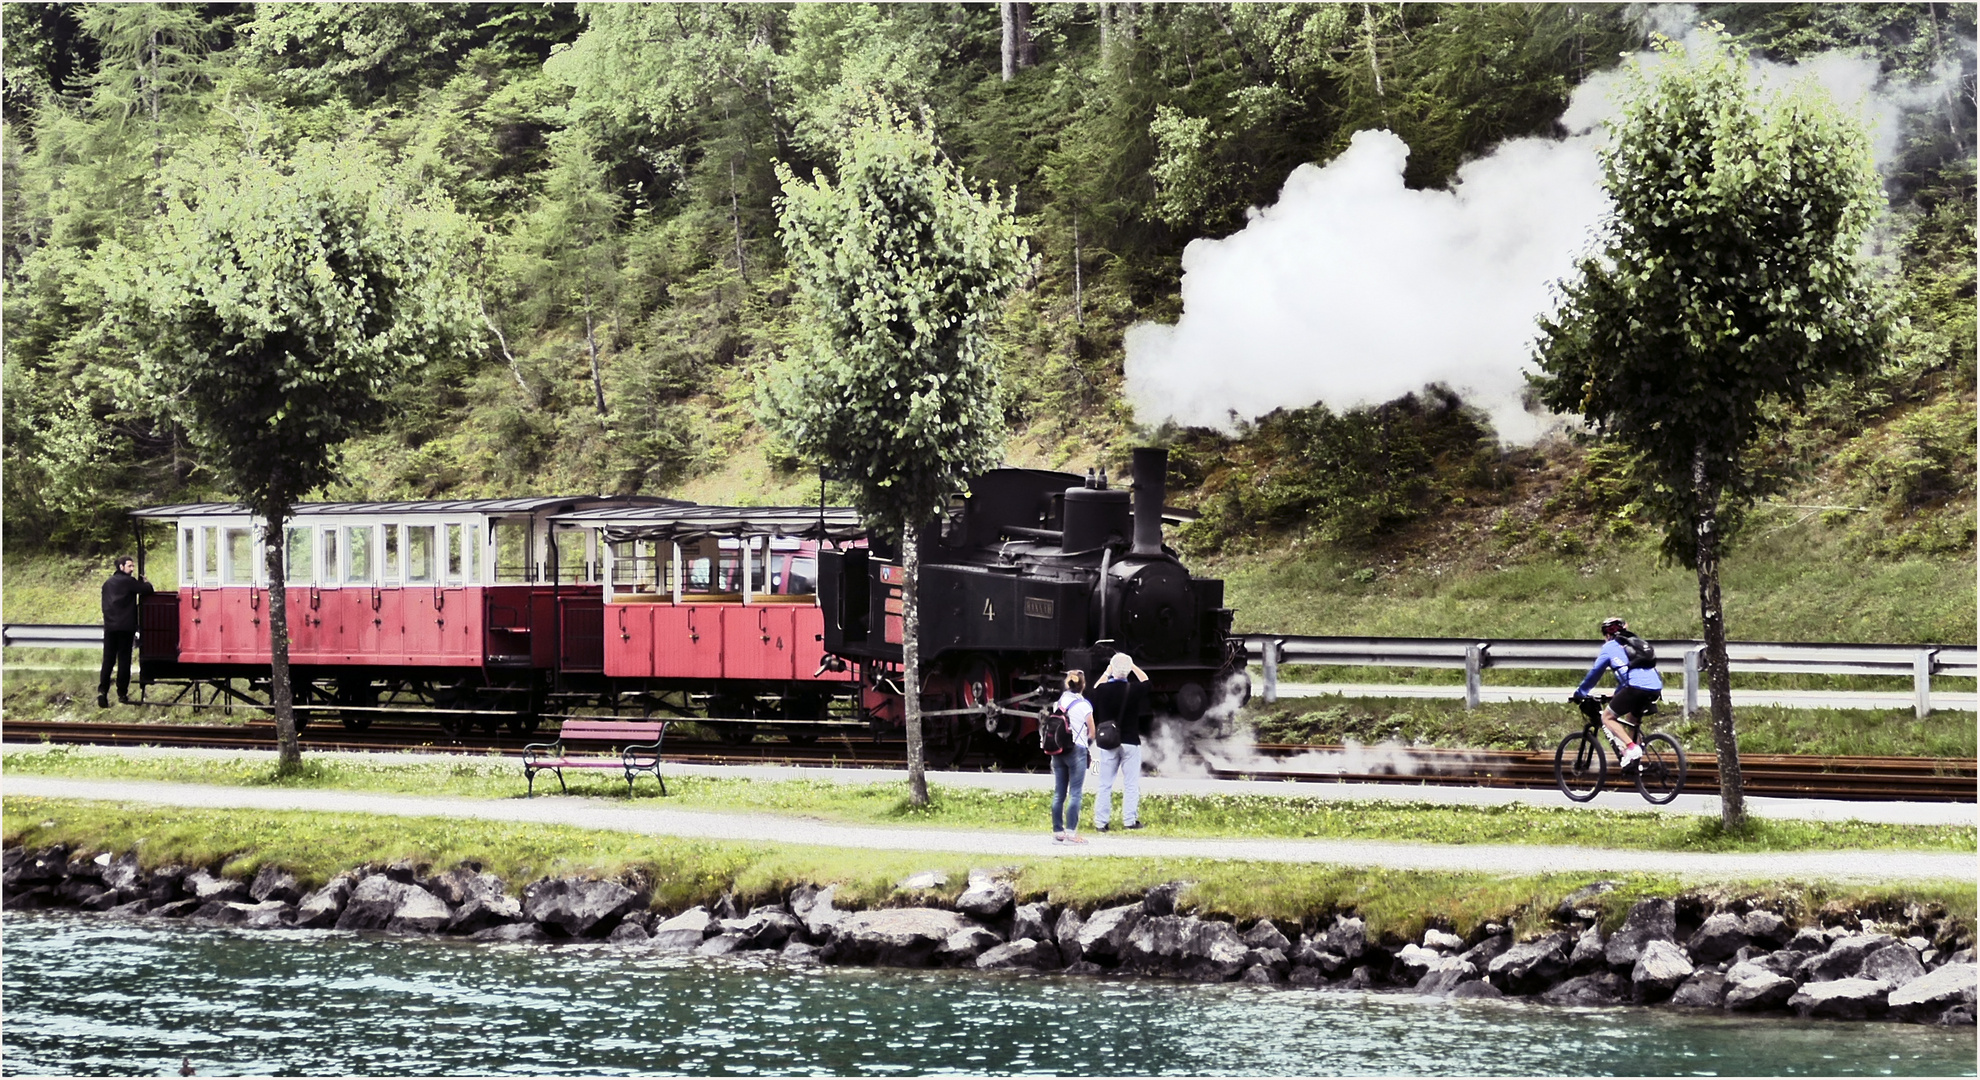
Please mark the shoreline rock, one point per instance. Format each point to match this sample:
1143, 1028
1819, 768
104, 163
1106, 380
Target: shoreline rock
1691, 952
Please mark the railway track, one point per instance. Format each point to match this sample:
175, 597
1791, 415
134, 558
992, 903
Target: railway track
1789, 775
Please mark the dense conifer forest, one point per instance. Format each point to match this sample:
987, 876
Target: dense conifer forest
616, 166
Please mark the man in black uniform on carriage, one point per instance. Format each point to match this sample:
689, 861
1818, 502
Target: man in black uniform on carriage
120, 627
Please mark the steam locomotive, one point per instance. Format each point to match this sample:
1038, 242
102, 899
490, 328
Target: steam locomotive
752, 620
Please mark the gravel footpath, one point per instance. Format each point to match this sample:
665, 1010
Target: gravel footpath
596, 813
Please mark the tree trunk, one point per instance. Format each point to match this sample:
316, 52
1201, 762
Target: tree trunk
1732, 790
514, 368
591, 347
1008, 10
280, 693
1374, 64
1079, 299
911, 663
735, 221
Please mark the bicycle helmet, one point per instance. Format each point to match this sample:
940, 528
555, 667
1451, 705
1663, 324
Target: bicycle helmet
1613, 622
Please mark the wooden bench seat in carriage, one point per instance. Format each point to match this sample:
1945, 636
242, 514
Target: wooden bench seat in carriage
638, 743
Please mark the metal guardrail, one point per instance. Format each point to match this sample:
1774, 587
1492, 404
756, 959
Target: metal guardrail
1919, 662
46, 636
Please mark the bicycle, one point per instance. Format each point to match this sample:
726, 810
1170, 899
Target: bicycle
1581, 764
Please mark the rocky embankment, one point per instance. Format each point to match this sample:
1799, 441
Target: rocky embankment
1692, 951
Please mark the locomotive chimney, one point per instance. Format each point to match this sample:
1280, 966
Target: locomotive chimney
1151, 469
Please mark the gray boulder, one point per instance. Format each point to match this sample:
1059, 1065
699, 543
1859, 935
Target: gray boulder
575, 907
1530, 966
322, 907
1487, 950
1306, 976
1412, 961
1650, 920
1474, 988
1718, 937
1841, 999
1161, 899
372, 903
966, 944
628, 932
1264, 935
986, 897
1066, 928
1103, 936
686, 930
1813, 939
1359, 979
1703, 990
892, 937
1579, 904
1764, 926
269, 915
1601, 988
480, 912
799, 952
1932, 994
1271, 958
1182, 946
1659, 971
130, 910
127, 877
1261, 975
1024, 954
719, 945
275, 883
1763, 990
1445, 975
263, 916
1442, 941
176, 909
511, 933
1588, 954
1347, 938
764, 928
1843, 959
1032, 921
813, 907
202, 885
1784, 962
419, 912
1894, 965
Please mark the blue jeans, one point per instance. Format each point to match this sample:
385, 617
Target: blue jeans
1126, 761
1068, 778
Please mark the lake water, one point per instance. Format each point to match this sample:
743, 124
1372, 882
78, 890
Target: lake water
83, 995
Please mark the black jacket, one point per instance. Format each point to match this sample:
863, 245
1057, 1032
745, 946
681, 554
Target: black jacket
1124, 701
120, 601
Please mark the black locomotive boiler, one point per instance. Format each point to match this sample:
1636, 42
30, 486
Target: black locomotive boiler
1032, 574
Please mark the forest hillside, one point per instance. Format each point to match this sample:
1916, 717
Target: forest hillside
618, 162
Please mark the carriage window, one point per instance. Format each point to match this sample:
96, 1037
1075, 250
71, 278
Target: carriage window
188, 548
209, 571
330, 556
359, 540
471, 551
571, 550
297, 553
391, 553
454, 564
636, 564
801, 577
419, 553
240, 556
511, 551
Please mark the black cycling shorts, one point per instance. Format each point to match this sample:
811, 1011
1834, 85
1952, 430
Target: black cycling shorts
1631, 700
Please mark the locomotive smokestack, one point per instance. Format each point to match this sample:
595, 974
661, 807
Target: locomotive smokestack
1151, 472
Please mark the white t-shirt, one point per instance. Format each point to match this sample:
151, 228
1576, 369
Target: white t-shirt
1080, 712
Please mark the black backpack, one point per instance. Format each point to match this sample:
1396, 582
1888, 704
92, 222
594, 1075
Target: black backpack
1055, 731
1639, 651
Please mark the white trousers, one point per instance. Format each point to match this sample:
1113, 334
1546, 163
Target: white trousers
1126, 760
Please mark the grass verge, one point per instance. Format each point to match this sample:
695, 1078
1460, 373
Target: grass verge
316, 846
957, 807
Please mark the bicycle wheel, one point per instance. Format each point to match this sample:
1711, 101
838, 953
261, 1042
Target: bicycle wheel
1661, 771
1580, 766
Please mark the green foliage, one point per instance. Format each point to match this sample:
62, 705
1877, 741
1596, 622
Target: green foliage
901, 269
274, 300
1342, 479
1728, 279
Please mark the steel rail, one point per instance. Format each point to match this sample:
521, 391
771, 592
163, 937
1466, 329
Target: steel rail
1789, 775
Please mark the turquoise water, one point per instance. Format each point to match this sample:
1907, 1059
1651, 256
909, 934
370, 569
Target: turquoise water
83, 995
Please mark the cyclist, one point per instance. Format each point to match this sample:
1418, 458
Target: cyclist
1636, 688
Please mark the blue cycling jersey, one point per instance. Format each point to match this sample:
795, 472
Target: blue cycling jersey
1613, 658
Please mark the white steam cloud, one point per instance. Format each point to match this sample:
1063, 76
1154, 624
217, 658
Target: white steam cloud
1353, 290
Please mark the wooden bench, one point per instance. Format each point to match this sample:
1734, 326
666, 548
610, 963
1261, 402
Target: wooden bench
638, 742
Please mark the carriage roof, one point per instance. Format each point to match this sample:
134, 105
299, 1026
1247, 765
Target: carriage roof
528, 504
689, 521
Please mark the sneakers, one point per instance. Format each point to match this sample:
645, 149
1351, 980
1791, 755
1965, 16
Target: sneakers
1073, 838
1102, 827
1631, 754
1133, 825
103, 701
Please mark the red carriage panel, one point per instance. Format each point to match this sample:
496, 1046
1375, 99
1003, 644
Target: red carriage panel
808, 646
757, 642
581, 626
687, 642
629, 640
506, 623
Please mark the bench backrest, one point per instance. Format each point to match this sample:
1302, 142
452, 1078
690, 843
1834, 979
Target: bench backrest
613, 731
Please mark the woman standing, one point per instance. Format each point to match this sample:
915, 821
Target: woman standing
1069, 768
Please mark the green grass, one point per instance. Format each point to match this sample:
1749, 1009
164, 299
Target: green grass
1396, 903
43, 587
1793, 584
960, 807
1539, 725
